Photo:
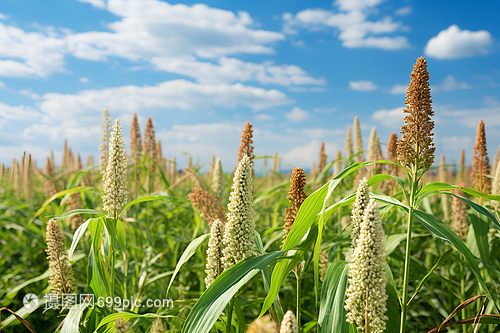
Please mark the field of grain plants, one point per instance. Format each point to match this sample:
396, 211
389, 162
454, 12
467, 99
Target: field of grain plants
395, 241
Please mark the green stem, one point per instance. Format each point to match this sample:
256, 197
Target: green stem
112, 266
462, 290
299, 289
406, 278
229, 324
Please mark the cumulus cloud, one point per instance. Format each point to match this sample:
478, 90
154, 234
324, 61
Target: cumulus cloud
153, 28
389, 117
351, 22
454, 43
21, 112
264, 117
36, 54
308, 154
229, 70
297, 115
403, 10
399, 89
174, 94
362, 85
451, 83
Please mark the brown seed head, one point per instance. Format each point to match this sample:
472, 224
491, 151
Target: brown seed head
296, 195
416, 148
322, 157
207, 205
481, 161
246, 147
135, 141
149, 144
61, 273
348, 144
459, 215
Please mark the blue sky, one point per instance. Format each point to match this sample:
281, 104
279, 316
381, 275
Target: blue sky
298, 70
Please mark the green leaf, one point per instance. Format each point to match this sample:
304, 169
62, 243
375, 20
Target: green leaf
72, 320
393, 310
447, 187
54, 197
188, 253
441, 261
79, 176
480, 209
76, 212
76, 238
445, 233
213, 301
392, 242
109, 320
151, 198
332, 314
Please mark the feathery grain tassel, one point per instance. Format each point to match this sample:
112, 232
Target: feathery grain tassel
322, 157
348, 144
207, 205
149, 143
214, 266
246, 147
481, 161
496, 186
239, 233
135, 141
416, 148
115, 187
296, 195
103, 147
122, 326
61, 274
289, 323
358, 140
358, 210
263, 324
217, 179
442, 179
459, 215
157, 326
366, 294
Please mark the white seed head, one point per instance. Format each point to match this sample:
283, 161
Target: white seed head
239, 242
115, 181
289, 323
103, 147
214, 265
367, 275
358, 209
217, 179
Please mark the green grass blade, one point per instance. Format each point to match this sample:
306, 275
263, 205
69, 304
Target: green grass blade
332, 314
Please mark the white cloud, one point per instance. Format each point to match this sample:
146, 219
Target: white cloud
453, 43
175, 94
21, 112
348, 5
306, 89
389, 117
264, 117
362, 85
35, 53
297, 115
355, 31
403, 10
450, 83
470, 117
324, 110
306, 155
95, 3
84, 80
229, 70
152, 28
2, 84
399, 89
454, 142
